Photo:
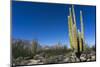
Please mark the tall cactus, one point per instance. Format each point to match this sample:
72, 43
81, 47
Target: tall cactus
70, 25
70, 30
80, 40
76, 37
82, 30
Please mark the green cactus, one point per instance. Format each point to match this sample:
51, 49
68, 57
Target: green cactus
76, 37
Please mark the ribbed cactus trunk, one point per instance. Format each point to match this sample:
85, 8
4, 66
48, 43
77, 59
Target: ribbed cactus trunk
82, 31
80, 41
76, 37
72, 29
70, 25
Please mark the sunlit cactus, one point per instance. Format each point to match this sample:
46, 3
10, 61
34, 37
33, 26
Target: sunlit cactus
82, 30
80, 40
76, 36
70, 30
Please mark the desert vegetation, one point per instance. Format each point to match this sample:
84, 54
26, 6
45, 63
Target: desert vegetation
26, 52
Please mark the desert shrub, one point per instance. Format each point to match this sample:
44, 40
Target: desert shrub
20, 50
93, 48
86, 47
34, 47
54, 52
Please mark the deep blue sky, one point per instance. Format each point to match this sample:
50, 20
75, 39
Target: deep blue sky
48, 23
